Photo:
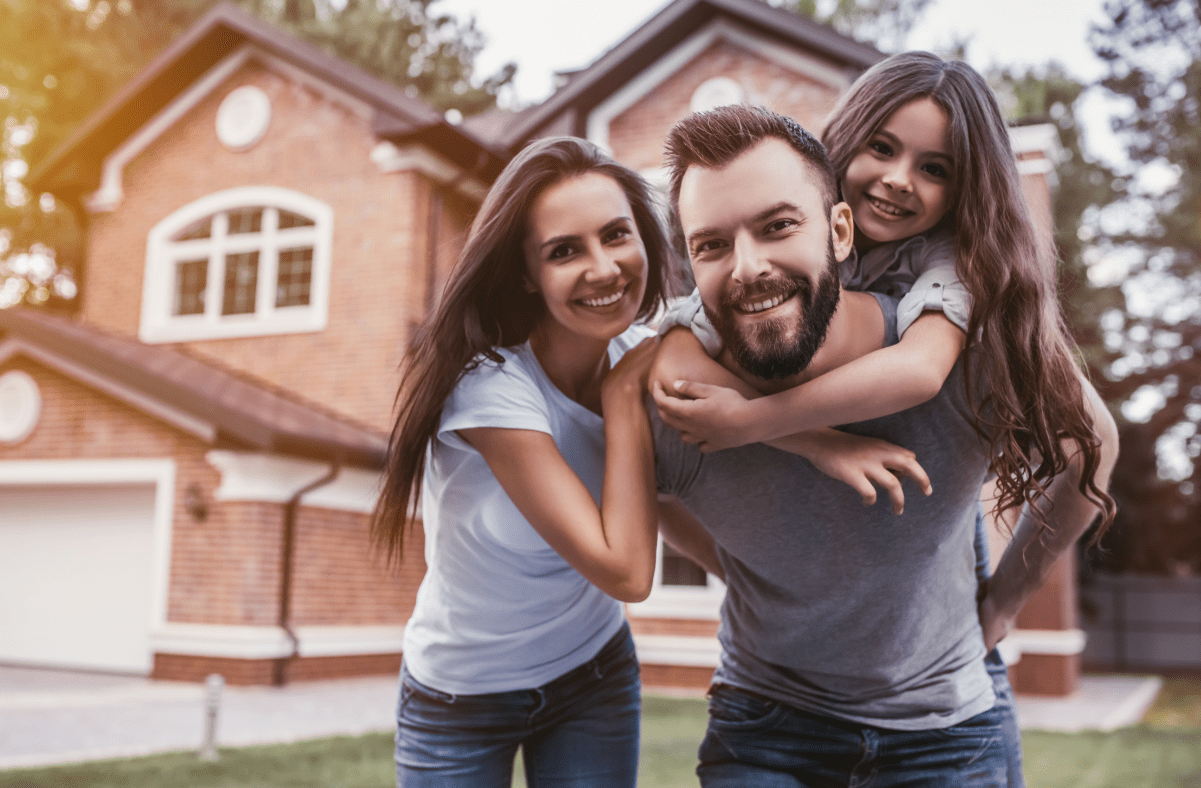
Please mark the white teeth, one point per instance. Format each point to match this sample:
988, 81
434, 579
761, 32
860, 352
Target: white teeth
892, 210
610, 299
761, 306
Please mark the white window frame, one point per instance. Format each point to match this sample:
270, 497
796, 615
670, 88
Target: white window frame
689, 602
159, 324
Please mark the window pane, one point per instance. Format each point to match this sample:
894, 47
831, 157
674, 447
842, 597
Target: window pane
245, 220
287, 219
241, 283
679, 570
191, 279
294, 277
199, 229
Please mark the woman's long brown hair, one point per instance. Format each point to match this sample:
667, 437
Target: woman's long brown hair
485, 305
1017, 341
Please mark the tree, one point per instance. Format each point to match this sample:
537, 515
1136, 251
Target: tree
61, 59
1152, 49
885, 23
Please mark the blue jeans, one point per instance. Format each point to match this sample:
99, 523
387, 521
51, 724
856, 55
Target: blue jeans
997, 669
755, 741
580, 730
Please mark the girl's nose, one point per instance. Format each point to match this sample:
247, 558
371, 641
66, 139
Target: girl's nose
897, 178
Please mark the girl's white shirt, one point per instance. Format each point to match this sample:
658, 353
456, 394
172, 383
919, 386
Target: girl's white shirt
499, 609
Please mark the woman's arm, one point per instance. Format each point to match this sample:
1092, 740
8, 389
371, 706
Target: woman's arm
880, 383
613, 546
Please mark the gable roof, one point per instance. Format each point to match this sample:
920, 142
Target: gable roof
665, 30
74, 166
240, 413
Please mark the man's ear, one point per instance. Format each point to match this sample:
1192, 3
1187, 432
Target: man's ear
842, 230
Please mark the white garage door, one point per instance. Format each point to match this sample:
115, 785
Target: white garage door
76, 575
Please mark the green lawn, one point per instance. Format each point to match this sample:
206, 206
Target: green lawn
1164, 751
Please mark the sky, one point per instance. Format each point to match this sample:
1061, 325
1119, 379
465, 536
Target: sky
545, 36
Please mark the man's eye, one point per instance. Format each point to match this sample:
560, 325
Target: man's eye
778, 225
705, 247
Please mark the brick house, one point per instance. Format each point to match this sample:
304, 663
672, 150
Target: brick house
266, 224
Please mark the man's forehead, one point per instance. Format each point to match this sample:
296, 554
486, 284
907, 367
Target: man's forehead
769, 172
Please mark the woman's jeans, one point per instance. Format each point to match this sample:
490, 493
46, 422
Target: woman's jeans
580, 729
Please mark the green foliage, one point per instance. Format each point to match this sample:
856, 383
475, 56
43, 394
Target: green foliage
1153, 52
60, 60
884, 23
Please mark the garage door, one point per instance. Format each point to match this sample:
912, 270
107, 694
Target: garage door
76, 576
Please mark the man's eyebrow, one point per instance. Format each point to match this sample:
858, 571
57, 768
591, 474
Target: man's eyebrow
781, 207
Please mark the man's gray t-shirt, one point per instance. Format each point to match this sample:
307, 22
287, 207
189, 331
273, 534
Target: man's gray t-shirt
837, 608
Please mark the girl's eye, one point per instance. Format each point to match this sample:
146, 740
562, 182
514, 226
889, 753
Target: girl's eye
883, 148
937, 170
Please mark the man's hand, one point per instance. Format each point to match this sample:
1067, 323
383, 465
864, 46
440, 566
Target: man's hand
712, 417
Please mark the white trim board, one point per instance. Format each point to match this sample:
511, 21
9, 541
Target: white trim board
258, 642
686, 51
160, 472
273, 478
418, 158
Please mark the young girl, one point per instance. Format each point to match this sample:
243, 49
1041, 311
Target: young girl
539, 516
923, 159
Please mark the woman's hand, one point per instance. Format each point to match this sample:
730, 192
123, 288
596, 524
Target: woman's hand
629, 378
863, 463
712, 417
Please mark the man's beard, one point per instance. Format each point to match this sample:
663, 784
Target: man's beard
779, 347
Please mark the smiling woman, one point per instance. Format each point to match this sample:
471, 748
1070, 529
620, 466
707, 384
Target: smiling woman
539, 515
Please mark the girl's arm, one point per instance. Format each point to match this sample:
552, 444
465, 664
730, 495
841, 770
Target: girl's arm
861, 462
613, 546
885, 381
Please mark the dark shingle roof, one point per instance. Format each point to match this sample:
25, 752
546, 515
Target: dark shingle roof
245, 413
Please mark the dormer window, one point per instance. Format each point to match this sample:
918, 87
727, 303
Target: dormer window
244, 262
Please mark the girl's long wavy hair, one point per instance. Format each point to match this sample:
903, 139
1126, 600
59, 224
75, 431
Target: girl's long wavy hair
485, 305
1021, 347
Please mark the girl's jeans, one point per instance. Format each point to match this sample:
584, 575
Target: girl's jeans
578, 730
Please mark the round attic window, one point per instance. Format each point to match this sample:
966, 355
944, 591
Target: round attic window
242, 118
20, 406
717, 92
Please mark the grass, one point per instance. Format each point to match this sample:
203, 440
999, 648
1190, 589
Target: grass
1163, 752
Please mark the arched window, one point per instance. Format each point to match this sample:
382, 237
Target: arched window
242, 262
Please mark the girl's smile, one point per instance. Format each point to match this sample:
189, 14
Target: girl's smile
900, 185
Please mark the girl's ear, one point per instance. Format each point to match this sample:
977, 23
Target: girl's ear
842, 230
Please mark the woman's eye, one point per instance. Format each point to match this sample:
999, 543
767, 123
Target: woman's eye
560, 251
617, 234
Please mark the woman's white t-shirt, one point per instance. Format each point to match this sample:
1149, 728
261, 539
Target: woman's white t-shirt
499, 609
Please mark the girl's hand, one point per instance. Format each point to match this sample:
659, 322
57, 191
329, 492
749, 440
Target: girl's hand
713, 417
863, 463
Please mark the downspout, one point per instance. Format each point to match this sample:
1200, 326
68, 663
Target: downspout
291, 508
435, 214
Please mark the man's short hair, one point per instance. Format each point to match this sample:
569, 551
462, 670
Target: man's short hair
714, 138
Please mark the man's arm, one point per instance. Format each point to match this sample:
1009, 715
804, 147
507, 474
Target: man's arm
1030, 556
686, 534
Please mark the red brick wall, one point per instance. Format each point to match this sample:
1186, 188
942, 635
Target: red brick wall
314, 146
636, 135
225, 569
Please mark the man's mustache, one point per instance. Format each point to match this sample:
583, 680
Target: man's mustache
763, 289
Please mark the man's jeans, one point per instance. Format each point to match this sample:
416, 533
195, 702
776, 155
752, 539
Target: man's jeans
577, 731
755, 741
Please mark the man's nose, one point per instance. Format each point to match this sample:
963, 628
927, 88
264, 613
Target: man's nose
750, 261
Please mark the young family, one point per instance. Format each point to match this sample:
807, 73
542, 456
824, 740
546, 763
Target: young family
890, 283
